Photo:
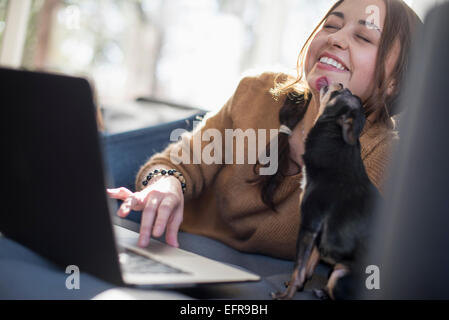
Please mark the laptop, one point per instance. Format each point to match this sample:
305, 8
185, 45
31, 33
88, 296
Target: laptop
54, 195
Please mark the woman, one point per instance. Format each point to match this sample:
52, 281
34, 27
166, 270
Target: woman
256, 213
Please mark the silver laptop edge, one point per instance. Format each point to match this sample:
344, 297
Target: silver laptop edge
196, 268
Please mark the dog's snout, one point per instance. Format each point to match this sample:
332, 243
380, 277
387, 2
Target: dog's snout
346, 91
335, 86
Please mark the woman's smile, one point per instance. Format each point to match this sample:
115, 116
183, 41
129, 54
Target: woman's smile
336, 63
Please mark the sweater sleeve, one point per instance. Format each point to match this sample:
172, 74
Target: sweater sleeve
187, 156
378, 161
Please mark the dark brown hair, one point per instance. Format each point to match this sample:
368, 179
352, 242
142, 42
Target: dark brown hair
400, 23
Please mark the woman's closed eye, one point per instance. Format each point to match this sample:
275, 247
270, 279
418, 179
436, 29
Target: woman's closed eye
330, 26
363, 38
334, 27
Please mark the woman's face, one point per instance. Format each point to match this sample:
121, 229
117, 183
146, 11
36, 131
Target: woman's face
351, 43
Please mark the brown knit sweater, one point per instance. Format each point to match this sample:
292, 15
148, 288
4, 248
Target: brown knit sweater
220, 204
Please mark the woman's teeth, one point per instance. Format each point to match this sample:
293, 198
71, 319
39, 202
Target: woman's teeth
332, 62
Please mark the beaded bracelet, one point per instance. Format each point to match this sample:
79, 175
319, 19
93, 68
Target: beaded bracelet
163, 172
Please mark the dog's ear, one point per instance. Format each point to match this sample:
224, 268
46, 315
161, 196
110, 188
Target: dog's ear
347, 127
351, 126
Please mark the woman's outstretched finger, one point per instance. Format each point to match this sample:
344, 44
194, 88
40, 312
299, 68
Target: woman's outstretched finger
134, 202
119, 193
125, 207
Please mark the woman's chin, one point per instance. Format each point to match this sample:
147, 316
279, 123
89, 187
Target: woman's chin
316, 81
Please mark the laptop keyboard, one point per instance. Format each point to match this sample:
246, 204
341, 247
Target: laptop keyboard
132, 262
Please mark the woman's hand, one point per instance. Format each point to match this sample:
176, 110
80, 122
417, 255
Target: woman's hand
162, 206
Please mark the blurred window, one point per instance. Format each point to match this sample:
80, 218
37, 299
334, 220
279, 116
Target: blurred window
3, 6
187, 52
183, 51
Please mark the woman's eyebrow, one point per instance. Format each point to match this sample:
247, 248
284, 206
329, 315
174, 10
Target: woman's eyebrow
368, 24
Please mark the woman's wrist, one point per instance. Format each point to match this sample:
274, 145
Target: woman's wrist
160, 172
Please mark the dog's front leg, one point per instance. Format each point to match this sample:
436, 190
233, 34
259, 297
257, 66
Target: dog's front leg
311, 265
305, 244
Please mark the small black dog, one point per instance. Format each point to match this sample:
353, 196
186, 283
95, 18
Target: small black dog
337, 203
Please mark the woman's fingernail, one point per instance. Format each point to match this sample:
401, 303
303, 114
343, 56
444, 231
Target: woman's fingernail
143, 242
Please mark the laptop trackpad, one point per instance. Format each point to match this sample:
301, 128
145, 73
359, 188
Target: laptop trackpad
128, 238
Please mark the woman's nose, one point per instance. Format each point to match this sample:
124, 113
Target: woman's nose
338, 39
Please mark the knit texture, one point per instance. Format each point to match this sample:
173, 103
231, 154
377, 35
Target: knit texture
221, 204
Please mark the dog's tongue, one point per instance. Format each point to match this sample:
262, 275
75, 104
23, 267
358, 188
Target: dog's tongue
323, 85
322, 82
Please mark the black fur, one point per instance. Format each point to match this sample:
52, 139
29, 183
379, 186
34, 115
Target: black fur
337, 205
339, 197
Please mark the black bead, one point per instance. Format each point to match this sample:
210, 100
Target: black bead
149, 177
156, 171
170, 172
145, 183
163, 172
183, 185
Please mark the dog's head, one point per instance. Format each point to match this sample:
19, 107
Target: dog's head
340, 105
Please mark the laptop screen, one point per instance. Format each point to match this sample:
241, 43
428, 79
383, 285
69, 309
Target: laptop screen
54, 195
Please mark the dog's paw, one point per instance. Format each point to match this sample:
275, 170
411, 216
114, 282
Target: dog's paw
286, 295
287, 284
321, 294
326, 93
